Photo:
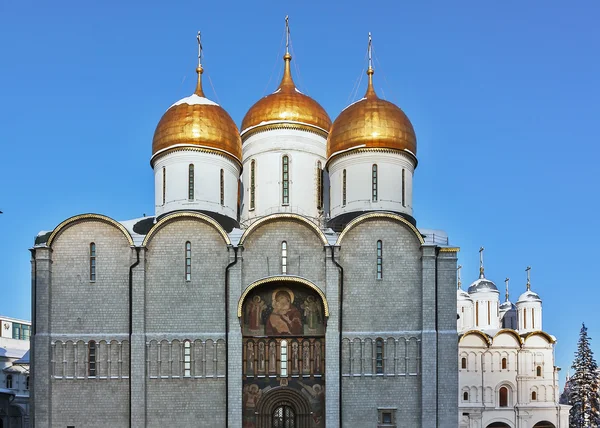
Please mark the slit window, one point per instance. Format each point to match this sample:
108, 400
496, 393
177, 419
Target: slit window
92, 359
533, 396
403, 188
374, 183
9, 381
465, 396
489, 312
319, 186
164, 185
252, 184
476, 313
222, 181
344, 188
524, 318
92, 261
463, 363
538, 371
190, 182
379, 260
187, 359
504, 365
27, 383
532, 318
284, 257
379, 356
188, 261
285, 180
283, 359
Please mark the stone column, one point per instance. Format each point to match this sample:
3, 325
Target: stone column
429, 341
234, 341
332, 341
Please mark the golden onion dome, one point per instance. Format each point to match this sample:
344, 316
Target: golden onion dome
371, 123
196, 121
286, 106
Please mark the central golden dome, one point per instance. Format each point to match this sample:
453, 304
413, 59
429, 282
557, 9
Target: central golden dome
286, 105
371, 123
197, 121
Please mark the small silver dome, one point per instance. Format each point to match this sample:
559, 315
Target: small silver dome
482, 284
463, 295
507, 306
529, 296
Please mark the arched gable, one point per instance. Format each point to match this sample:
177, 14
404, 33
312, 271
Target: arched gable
498, 337
283, 216
283, 278
380, 215
546, 336
185, 215
486, 339
87, 217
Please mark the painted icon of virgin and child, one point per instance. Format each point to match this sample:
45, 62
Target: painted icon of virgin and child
285, 318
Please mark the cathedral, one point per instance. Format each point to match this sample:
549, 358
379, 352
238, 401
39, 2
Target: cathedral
507, 375
282, 281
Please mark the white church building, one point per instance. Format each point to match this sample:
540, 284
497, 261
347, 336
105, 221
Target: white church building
507, 376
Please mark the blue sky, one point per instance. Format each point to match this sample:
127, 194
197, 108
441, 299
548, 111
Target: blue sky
504, 98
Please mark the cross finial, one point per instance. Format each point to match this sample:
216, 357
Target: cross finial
506, 282
458, 272
198, 37
370, 51
481, 270
287, 34
528, 278
199, 69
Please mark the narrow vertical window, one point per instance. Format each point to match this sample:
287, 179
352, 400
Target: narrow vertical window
476, 313
284, 257
403, 189
538, 371
27, 383
374, 183
489, 313
464, 363
533, 396
188, 261
92, 358
283, 359
190, 182
503, 363
524, 318
222, 181
465, 396
164, 186
9, 381
252, 184
285, 180
92, 262
319, 186
379, 356
533, 318
503, 395
344, 188
187, 359
379, 260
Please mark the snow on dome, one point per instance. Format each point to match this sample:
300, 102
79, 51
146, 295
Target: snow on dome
463, 295
482, 284
529, 296
507, 306
195, 100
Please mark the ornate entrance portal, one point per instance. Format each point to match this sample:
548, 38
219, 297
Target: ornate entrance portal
283, 339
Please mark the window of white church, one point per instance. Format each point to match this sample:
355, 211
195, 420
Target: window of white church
504, 364
190, 182
403, 189
188, 261
538, 371
319, 186
379, 260
92, 261
374, 183
503, 397
252, 184
465, 396
222, 188
284, 257
164, 185
463, 364
285, 180
344, 188
187, 359
283, 359
533, 396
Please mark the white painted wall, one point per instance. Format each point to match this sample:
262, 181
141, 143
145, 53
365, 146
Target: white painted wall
358, 168
465, 310
267, 149
481, 320
526, 322
207, 190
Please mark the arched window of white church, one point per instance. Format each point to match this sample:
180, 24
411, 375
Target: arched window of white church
252, 184
9, 381
283, 358
379, 260
319, 180
374, 183
503, 363
532, 318
538, 371
284, 257
344, 188
503, 397
524, 318
477, 313
533, 396
222, 181
188, 261
187, 359
285, 180
191, 182
379, 356
489, 312
403, 189
465, 396
92, 359
164, 185
92, 261
463, 363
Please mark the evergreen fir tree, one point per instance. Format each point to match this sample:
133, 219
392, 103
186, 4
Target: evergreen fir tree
584, 383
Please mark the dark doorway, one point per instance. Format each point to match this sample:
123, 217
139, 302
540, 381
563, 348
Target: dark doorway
498, 425
544, 424
284, 417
